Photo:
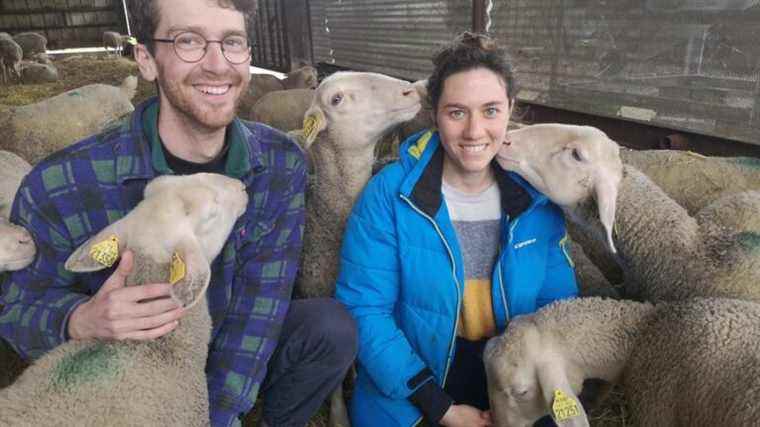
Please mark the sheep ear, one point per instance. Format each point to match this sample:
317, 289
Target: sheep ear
100, 251
314, 122
189, 272
606, 192
564, 407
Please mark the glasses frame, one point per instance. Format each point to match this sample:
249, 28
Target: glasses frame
205, 48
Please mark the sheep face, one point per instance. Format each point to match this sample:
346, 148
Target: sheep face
359, 107
181, 224
526, 380
17, 248
569, 164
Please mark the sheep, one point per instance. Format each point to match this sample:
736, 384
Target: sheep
282, 109
667, 254
183, 221
349, 114
35, 72
10, 58
31, 43
37, 130
694, 180
17, 249
261, 84
681, 363
112, 39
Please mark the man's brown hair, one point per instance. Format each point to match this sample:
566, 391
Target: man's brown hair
144, 16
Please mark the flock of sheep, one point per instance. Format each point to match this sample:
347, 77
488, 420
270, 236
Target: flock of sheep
24, 56
677, 232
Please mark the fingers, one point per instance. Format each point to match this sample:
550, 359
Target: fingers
150, 334
144, 292
122, 329
155, 307
119, 277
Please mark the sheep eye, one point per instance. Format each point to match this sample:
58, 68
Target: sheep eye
336, 99
577, 155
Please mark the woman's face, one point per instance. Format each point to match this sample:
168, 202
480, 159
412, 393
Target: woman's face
472, 116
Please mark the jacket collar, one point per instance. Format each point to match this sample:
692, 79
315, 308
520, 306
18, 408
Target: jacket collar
422, 158
139, 157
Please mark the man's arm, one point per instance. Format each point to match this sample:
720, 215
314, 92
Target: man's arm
261, 294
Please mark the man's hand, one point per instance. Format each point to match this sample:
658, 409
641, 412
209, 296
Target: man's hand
466, 416
117, 312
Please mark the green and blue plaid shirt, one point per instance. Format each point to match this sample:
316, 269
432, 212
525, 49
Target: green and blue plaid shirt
74, 193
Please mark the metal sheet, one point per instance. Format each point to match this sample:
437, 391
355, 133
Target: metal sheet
387, 36
682, 64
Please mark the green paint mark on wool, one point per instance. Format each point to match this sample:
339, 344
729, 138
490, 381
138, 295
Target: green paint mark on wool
750, 241
92, 364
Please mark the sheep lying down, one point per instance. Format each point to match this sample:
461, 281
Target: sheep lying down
686, 363
174, 233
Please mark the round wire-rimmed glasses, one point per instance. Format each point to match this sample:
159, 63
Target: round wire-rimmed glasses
191, 47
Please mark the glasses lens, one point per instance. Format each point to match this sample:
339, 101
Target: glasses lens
190, 46
236, 49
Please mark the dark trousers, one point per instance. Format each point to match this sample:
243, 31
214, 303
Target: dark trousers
467, 383
316, 347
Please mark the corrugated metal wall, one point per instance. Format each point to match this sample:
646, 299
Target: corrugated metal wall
270, 47
393, 37
65, 23
686, 64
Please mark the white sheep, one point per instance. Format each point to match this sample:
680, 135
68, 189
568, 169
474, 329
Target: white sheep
176, 231
115, 40
666, 252
31, 43
282, 109
37, 130
10, 58
690, 363
348, 116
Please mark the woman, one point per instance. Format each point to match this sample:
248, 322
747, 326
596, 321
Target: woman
442, 248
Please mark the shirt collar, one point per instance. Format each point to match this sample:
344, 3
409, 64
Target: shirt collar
238, 158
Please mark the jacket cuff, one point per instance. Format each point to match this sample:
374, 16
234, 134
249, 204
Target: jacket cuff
431, 400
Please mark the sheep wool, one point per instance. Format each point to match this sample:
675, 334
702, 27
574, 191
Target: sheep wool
37, 130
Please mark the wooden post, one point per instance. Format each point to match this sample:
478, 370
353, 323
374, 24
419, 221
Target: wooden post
479, 17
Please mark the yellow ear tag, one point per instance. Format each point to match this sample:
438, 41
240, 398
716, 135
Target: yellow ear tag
177, 271
564, 407
310, 127
106, 252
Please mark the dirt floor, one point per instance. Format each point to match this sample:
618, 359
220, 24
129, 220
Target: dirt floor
80, 70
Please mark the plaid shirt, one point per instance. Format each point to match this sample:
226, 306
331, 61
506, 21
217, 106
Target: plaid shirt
73, 194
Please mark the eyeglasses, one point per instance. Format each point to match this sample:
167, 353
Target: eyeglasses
191, 47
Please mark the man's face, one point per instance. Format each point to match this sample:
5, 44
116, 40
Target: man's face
205, 93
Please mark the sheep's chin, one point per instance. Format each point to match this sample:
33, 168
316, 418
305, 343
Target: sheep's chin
15, 264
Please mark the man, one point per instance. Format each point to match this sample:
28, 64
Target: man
197, 52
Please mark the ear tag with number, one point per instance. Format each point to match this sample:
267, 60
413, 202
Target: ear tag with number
178, 269
310, 127
106, 252
564, 407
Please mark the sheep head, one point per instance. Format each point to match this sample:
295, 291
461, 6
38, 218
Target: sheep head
182, 223
302, 78
17, 248
356, 106
527, 380
571, 165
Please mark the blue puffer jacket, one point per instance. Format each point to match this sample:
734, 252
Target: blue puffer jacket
402, 275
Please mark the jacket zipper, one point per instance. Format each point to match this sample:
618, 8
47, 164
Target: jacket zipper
456, 281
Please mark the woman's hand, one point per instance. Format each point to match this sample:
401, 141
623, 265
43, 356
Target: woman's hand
466, 416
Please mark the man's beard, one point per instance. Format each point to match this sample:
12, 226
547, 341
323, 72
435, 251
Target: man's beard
197, 114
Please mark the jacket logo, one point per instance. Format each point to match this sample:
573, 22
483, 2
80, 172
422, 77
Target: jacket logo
417, 149
525, 243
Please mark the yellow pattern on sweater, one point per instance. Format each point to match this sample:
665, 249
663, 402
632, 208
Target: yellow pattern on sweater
477, 320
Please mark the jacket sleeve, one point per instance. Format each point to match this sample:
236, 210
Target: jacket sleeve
559, 282
36, 302
240, 351
368, 285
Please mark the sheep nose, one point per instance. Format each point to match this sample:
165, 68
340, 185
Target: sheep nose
24, 238
407, 92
